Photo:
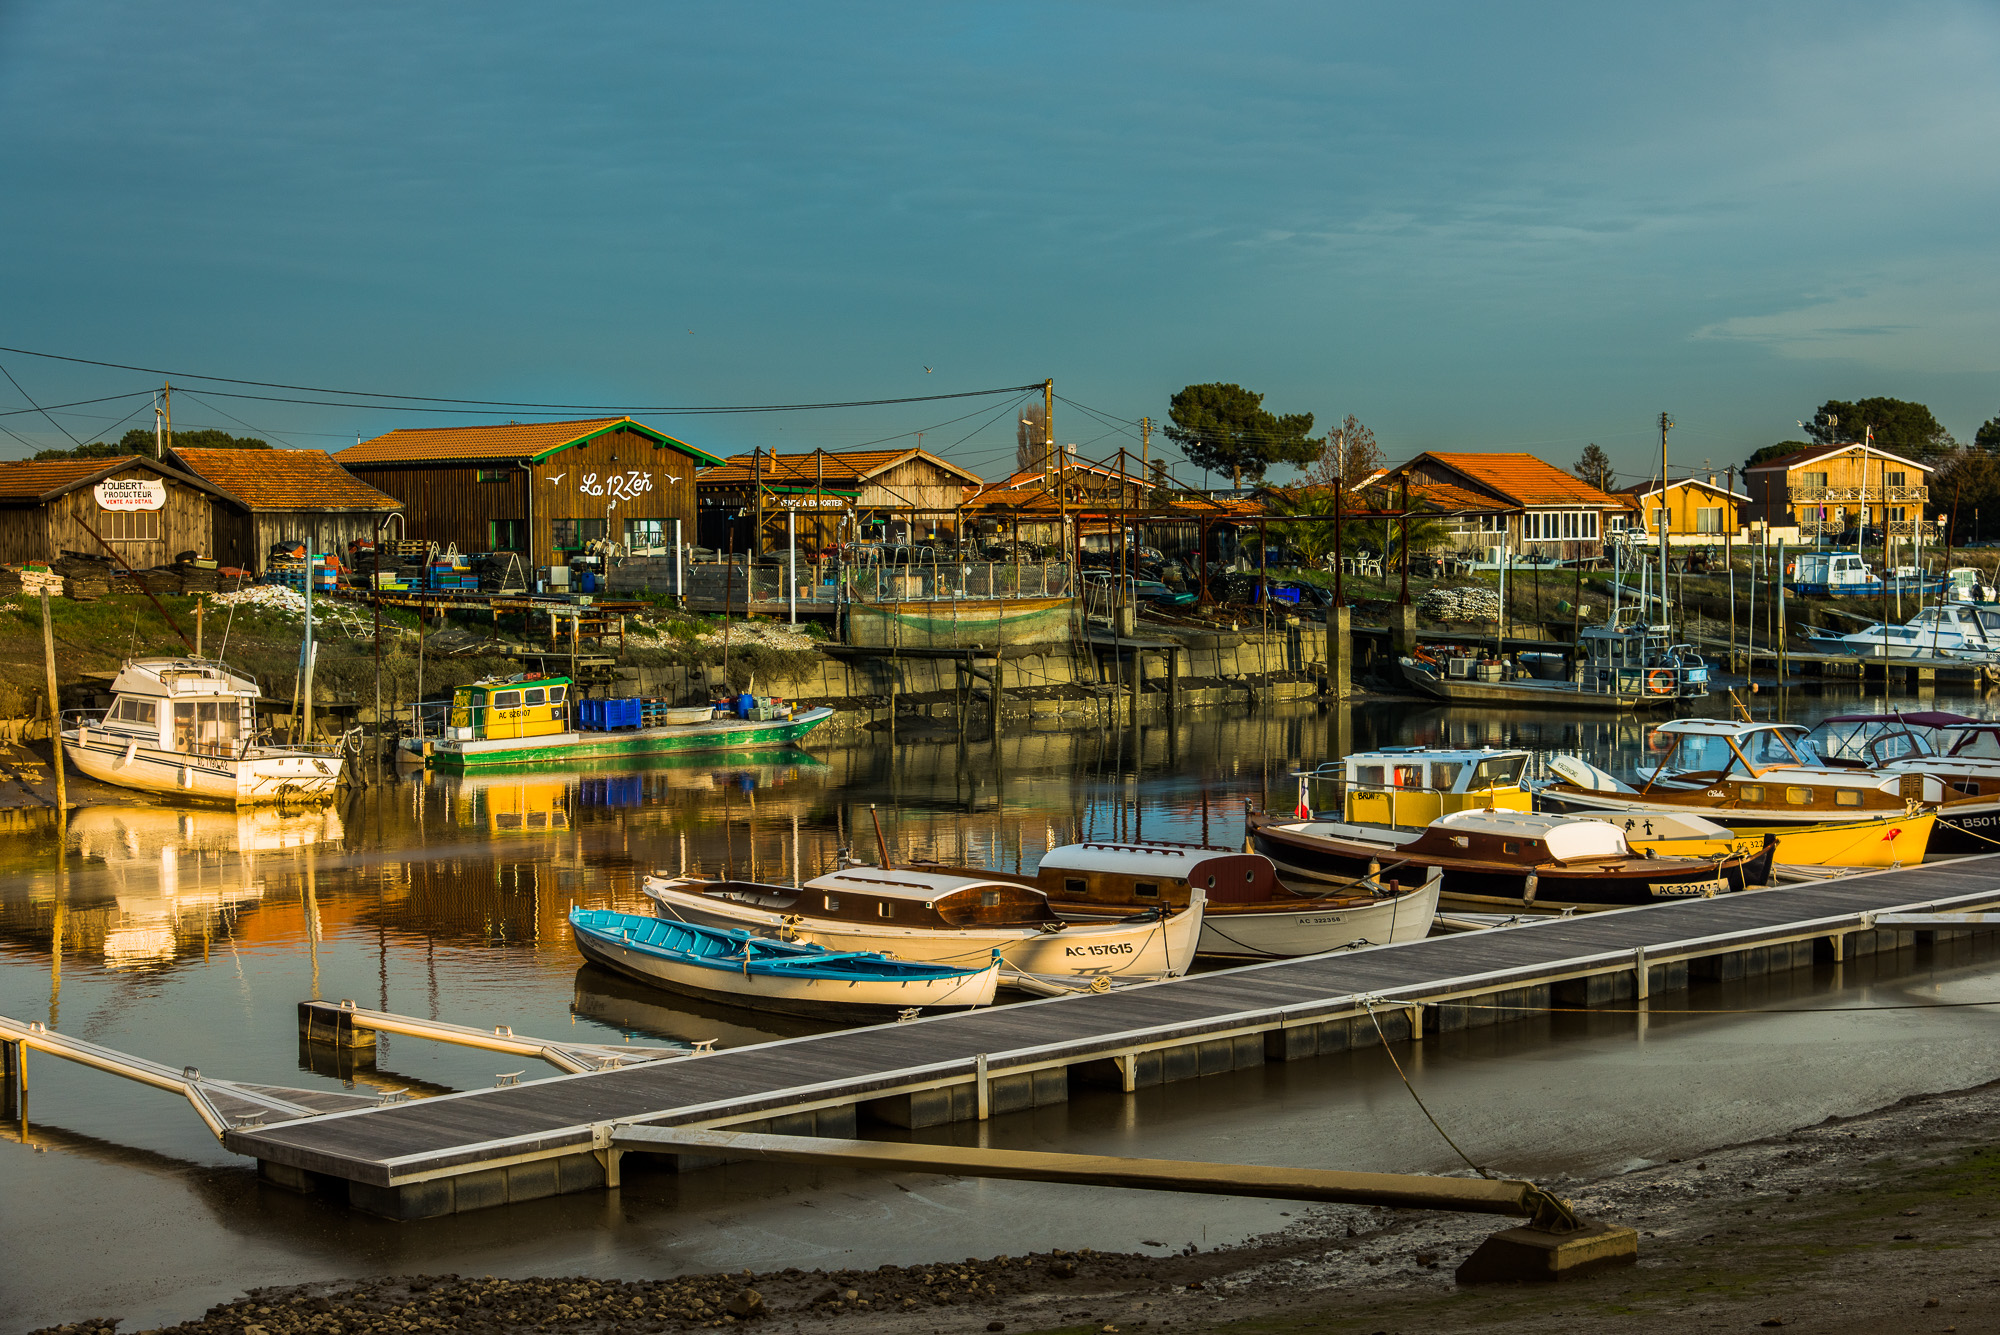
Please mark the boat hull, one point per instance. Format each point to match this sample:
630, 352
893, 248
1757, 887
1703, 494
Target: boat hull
570, 747
1970, 825
822, 998
1163, 948
277, 778
1531, 693
1265, 933
1299, 852
1894, 842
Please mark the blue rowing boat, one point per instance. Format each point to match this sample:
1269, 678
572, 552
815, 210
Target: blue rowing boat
797, 978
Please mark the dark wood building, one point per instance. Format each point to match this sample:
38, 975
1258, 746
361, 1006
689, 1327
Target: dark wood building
543, 490
287, 495
145, 511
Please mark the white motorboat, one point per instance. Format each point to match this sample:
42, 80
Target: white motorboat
941, 917
188, 726
1323, 914
1943, 630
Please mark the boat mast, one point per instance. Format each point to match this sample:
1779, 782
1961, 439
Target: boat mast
1666, 425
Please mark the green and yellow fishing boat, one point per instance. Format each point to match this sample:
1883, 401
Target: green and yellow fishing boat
539, 720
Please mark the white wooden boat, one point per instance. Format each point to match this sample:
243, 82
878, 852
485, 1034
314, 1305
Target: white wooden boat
1247, 910
763, 974
1323, 915
188, 726
943, 917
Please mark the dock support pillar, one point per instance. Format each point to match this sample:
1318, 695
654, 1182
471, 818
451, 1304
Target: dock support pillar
1339, 652
1839, 942
1173, 684
984, 1090
317, 1025
1640, 974
1138, 680
993, 697
1403, 629
1128, 1070
14, 1068
1416, 1022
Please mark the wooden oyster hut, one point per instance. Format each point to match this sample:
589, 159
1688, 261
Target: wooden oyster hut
542, 490
144, 512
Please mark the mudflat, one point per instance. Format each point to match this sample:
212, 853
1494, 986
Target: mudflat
1885, 1222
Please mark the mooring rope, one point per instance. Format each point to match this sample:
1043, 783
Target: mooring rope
1369, 1002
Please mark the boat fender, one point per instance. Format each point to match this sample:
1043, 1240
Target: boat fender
1528, 888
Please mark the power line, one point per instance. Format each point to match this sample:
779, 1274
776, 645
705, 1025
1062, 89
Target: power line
38, 408
78, 403
239, 421
403, 399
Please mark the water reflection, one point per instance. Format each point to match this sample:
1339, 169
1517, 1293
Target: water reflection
189, 937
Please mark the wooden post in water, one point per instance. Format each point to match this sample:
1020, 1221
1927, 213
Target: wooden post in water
55, 720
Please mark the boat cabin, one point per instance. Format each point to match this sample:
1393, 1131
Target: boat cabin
1640, 659
187, 705
1522, 838
1829, 572
500, 707
1736, 764
1412, 785
900, 895
1155, 875
1963, 753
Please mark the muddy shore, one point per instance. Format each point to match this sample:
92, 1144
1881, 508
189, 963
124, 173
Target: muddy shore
1881, 1222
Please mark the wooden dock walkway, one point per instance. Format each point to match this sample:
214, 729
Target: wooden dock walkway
468, 1150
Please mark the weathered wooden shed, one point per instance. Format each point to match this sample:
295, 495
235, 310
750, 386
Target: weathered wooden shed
905, 495
540, 489
145, 511
284, 495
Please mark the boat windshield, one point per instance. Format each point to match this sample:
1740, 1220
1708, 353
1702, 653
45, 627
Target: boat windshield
1867, 742
1972, 743
1706, 752
1498, 772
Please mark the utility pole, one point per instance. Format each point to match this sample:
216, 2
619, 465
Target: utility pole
1146, 446
1729, 556
757, 518
169, 396
1666, 516
159, 432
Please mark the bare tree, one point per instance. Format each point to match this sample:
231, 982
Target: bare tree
1031, 439
1349, 455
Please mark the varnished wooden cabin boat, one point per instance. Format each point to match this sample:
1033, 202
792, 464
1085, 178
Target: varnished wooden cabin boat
1248, 911
1960, 752
1739, 774
944, 917
1505, 859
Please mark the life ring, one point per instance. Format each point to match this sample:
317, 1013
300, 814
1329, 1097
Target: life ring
1660, 681
1658, 742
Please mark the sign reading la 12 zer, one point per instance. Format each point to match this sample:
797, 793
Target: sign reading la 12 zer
132, 494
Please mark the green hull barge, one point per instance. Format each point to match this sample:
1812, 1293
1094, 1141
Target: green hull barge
458, 756
532, 720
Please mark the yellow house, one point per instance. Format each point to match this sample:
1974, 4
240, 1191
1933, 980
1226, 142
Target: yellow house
1831, 492
1697, 512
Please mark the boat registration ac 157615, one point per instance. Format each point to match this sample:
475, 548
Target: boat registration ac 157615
1687, 889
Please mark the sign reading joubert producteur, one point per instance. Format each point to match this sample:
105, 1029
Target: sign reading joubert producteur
132, 494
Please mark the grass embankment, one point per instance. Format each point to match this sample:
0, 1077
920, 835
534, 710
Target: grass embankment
97, 636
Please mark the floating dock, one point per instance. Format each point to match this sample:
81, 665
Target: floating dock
464, 1151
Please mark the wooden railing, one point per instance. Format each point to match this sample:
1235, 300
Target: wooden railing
1872, 495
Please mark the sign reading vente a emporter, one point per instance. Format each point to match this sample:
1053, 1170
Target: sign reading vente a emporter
132, 494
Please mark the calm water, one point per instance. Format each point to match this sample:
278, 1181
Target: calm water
189, 937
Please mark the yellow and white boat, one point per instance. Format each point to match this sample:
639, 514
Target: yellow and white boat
1887, 841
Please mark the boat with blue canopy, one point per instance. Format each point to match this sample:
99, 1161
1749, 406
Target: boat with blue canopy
796, 978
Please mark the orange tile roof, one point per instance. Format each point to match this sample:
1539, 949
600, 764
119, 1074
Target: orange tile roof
829, 465
1523, 479
514, 440
44, 479
285, 479
1451, 496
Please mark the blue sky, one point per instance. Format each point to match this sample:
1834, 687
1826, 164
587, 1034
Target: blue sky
1472, 226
